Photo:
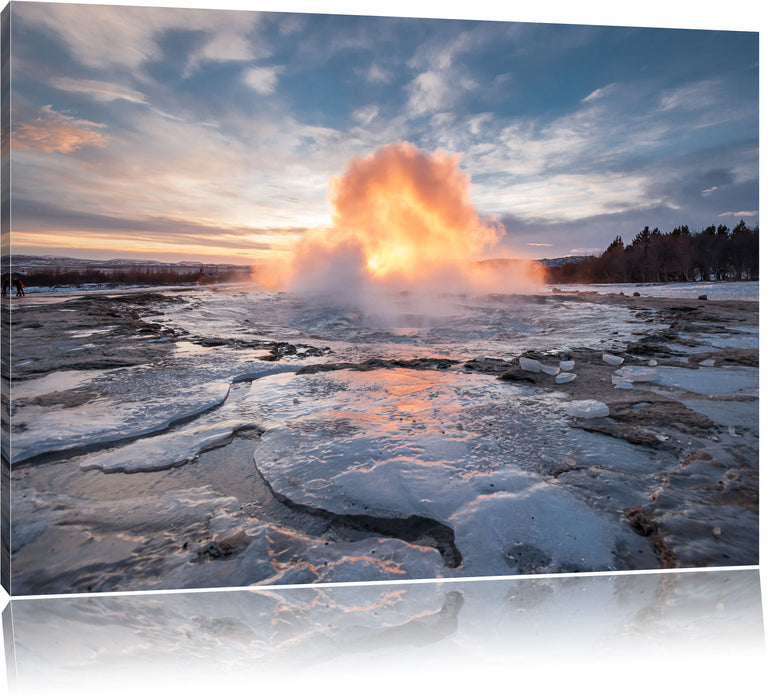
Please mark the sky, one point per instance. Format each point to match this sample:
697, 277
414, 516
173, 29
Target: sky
170, 134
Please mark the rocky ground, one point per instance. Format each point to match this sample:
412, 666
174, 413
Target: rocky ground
701, 511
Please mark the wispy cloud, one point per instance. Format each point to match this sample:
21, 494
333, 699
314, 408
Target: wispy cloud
599, 93
699, 95
99, 36
365, 115
739, 213
99, 90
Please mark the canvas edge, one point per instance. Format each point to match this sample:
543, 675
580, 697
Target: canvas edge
5, 310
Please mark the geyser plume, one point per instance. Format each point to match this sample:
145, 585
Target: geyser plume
402, 219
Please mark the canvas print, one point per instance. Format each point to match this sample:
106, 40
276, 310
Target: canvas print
311, 298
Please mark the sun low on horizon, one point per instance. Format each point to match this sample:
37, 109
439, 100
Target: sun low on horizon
237, 137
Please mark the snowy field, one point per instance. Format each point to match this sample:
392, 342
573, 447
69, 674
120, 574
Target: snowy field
690, 290
229, 437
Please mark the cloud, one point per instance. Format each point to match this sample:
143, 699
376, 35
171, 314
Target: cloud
227, 46
699, 95
99, 90
429, 92
599, 93
739, 213
698, 184
378, 74
263, 80
442, 77
441, 53
253, 172
230, 40
366, 114
565, 197
102, 36
35, 215
53, 132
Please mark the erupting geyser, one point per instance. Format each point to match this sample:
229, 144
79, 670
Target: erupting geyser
401, 219
409, 212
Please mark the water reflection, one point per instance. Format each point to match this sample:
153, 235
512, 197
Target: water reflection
449, 633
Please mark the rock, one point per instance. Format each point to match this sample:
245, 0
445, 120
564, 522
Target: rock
488, 365
529, 365
587, 408
566, 365
652, 363
612, 359
565, 377
550, 370
703, 297
636, 294
515, 374
231, 540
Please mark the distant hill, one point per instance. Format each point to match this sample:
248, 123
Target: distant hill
53, 271
557, 262
29, 264
546, 262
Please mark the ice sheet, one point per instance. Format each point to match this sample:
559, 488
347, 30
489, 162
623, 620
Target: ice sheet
54, 382
167, 450
37, 430
718, 381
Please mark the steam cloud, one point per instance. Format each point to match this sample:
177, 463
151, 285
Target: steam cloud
402, 219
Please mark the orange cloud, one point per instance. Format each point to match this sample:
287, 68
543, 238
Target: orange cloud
54, 132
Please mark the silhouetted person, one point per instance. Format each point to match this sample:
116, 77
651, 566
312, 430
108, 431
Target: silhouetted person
6, 284
19, 287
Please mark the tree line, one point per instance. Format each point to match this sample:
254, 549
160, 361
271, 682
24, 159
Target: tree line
715, 253
57, 277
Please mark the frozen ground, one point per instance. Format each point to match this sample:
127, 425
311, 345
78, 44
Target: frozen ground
691, 290
219, 437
